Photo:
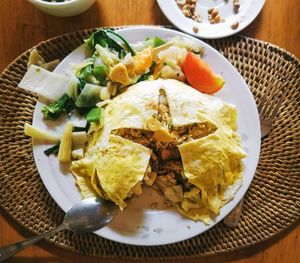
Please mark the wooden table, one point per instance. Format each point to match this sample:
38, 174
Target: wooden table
22, 26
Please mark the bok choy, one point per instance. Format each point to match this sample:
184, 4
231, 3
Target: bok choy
102, 38
63, 105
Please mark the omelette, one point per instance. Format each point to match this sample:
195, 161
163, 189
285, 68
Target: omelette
165, 134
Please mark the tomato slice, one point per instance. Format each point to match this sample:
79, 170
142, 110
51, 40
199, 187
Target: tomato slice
200, 76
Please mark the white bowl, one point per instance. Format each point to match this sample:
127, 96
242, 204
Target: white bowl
68, 8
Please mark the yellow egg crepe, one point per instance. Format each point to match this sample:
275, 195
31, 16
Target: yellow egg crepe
120, 167
131, 108
196, 164
86, 187
84, 172
188, 106
128, 110
211, 164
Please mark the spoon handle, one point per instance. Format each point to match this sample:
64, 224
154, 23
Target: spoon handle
8, 251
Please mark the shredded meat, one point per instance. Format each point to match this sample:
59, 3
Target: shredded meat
136, 135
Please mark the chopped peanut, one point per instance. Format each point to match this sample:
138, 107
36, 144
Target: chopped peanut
217, 19
187, 13
188, 8
236, 6
235, 25
214, 16
214, 13
195, 29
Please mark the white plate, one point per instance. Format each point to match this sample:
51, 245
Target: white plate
249, 9
139, 224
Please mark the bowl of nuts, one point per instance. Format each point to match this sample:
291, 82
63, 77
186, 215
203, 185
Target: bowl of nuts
211, 18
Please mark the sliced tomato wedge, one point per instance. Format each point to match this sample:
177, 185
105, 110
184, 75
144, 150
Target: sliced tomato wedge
200, 76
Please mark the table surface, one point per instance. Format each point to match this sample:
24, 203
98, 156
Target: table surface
23, 26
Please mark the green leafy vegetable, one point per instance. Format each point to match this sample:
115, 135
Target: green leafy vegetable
129, 48
73, 90
94, 115
101, 37
86, 73
100, 72
63, 105
52, 150
89, 96
81, 85
108, 57
156, 41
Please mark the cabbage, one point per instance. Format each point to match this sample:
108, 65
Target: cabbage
174, 53
187, 44
108, 58
46, 84
73, 87
89, 96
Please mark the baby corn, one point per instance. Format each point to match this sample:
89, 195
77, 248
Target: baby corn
65, 148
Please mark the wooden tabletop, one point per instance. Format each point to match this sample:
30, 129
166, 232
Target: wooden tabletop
22, 26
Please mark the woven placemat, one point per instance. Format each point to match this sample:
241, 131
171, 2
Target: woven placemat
272, 202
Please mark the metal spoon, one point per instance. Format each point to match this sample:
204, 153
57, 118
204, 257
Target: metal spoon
87, 216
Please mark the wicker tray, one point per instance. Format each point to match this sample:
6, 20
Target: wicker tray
272, 202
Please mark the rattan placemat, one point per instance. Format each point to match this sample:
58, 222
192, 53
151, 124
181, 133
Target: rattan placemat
272, 202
